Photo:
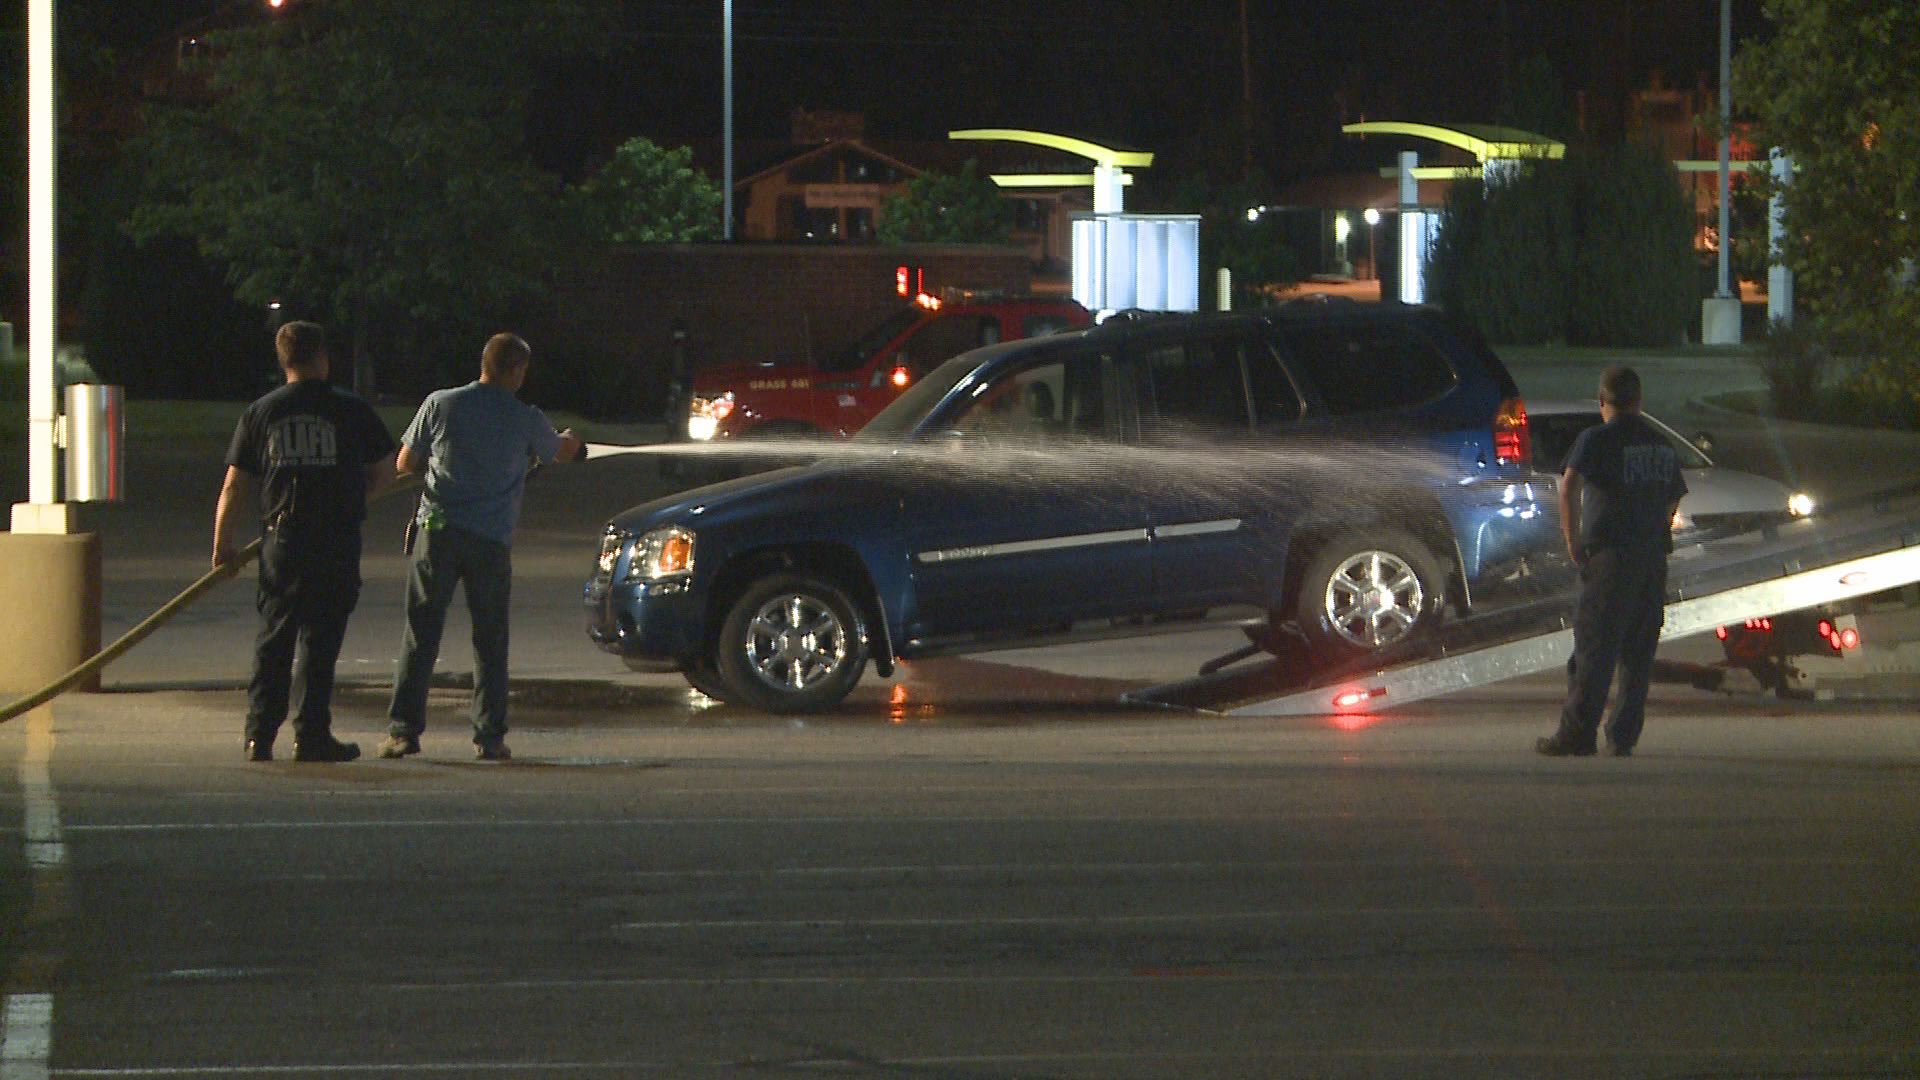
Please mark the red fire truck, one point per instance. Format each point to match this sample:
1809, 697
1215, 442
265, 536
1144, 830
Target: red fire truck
841, 391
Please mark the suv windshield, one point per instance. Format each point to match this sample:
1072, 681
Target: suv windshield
852, 355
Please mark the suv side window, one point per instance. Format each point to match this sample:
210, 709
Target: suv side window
1362, 367
945, 338
1042, 325
1276, 401
1197, 385
1048, 402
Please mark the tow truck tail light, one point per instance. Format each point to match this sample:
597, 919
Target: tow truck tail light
1512, 435
1348, 699
1793, 634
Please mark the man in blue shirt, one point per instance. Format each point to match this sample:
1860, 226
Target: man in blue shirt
474, 444
1617, 500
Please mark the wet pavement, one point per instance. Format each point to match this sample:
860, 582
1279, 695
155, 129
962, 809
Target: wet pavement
1022, 882
981, 867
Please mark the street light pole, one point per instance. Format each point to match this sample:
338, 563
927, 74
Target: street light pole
1726, 141
726, 120
43, 409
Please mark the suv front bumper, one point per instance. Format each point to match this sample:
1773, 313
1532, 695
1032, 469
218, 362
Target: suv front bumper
652, 625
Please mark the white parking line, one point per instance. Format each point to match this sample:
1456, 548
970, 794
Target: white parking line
26, 1023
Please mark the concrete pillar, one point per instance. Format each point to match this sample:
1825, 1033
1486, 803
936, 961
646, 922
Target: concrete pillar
55, 578
1720, 320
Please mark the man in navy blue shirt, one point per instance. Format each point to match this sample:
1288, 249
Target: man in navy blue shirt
1618, 496
474, 444
314, 453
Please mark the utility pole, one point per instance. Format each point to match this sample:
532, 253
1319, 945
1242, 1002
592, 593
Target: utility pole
726, 120
1246, 97
1726, 142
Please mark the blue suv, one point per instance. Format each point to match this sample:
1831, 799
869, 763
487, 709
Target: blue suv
1333, 474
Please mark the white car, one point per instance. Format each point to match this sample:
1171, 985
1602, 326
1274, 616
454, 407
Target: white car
1719, 502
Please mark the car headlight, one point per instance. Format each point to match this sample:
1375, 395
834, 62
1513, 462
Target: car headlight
704, 415
1800, 504
662, 553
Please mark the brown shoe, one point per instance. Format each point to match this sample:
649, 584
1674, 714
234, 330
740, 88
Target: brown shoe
399, 746
495, 750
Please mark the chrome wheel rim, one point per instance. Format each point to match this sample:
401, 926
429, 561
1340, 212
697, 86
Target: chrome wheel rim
1374, 599
795, 642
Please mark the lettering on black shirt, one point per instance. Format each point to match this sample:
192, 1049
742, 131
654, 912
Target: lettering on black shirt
1632, 479
309, 444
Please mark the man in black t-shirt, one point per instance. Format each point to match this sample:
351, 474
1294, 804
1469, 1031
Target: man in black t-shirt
314, 454
1618, 496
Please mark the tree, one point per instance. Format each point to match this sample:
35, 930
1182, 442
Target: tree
1835, 86
651, 195
1594, 249
364, 161
946, 208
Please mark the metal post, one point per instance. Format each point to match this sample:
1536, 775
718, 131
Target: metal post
1726, 143
726, 119
43, 407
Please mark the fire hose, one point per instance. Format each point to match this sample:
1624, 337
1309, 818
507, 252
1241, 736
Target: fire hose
194, 592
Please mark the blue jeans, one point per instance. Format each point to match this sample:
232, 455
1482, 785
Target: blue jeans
442, 559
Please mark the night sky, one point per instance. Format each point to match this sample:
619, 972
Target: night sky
1159, 74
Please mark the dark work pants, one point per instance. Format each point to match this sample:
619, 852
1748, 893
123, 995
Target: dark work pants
304, 600
1616, 623
442, 559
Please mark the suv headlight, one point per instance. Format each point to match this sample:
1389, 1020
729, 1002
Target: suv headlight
1800, 504
704, 415
662, 553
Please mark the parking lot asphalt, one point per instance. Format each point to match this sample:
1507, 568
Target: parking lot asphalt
982, 867
1023, 882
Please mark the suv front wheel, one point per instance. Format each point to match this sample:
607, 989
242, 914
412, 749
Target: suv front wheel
1364, 591
792, 643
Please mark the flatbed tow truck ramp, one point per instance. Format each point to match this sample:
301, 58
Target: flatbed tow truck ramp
1855, 549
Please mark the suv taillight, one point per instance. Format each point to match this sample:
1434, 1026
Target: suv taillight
1512, 439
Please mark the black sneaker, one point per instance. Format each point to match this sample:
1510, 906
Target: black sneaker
399, 746
259, 749
326, 749
1619, 750
495, 750
1551, 746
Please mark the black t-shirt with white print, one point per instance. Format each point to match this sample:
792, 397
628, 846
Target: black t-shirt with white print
1633, 478
309, 443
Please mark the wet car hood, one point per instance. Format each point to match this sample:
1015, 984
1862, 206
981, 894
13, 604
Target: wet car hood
801, 491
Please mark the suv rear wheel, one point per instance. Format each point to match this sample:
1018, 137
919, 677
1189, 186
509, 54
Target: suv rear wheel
1364, 591
792, 643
